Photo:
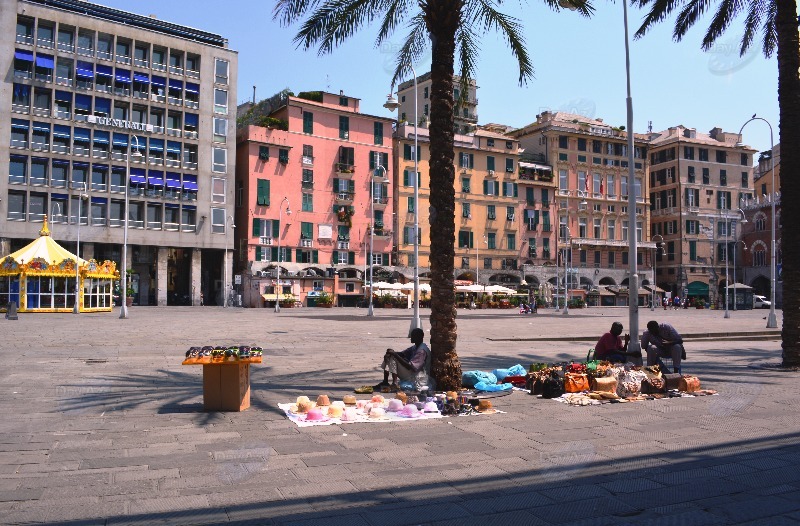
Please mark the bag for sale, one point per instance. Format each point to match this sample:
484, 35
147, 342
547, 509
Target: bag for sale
604, 385
630, 384
576, 382
552, 387
672, 381
653, 384
689, 383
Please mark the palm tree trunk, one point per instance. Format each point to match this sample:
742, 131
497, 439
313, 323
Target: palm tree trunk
789, 103
442, 18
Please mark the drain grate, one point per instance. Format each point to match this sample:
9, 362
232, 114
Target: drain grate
95, 361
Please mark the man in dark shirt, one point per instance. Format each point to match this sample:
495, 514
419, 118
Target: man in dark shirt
407, 364
611, 348
661, 339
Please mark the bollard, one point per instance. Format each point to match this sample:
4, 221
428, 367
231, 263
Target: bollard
11, 312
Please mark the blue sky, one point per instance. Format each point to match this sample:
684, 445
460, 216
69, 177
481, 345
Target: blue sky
580, 67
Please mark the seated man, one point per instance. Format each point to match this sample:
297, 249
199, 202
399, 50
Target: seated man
610, 347
662, 340
407, 364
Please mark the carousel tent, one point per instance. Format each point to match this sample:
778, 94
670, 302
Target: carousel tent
40, 277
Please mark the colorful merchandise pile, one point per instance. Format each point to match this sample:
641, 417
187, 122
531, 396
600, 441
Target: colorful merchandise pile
401, 408
597, 382
223, 354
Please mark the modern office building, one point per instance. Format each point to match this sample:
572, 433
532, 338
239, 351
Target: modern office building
93, 98
313, 176
465, 113
699, 183
589, 159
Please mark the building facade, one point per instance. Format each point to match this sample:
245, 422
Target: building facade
97, 101
699, 183
755, 251
319, 157
589, 162
465, 113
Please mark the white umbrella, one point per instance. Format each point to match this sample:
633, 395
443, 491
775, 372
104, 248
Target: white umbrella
499, 289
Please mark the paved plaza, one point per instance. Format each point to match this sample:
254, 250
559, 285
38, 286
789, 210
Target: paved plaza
102, 425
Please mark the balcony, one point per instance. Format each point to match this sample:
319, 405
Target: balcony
190, 134
174, 132
344, 197
380, 202
40, 146
345, 171
191, 104
64, 81
155, 97
20, 108
141, 62
122, 59
343, 245
105, 55
381, 232
99, 154
86, 51
176, 70
41, 112
193, 73
45, 42
307, 160
307, 184
189, 165
159, 67
67, 47
265, 241
172, 163
532, 227
25, 39
306, 243
176, 101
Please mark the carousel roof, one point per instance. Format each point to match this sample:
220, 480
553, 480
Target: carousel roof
46, 248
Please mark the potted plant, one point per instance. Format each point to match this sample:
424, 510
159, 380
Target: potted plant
386, 301
324, 300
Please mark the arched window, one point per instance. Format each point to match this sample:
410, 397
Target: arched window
760, 221
759, 257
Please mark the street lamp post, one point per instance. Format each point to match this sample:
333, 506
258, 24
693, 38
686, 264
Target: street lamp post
567, 253
772, 321
391, 105
735, 249
225, 263
278, 268
76, 307
727, 281
655, 279
633, 281
370, 309
123, 311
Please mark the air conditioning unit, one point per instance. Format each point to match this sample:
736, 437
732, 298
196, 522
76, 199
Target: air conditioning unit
491, 172
346, 135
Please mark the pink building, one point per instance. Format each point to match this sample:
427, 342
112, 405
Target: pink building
312, 180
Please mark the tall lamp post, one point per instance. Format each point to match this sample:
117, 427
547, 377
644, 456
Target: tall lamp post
391, 105
225, 263
727, 281
123, 311
655, 258
633, 281
280, 233
772, 321
76, 309
567, 253
379, 168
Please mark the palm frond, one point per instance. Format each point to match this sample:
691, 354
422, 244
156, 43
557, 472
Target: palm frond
289, 11
688, 16
751, 24
394, 16
483, 13
770, 30
726, 12
412, 49
335, 21
467, 48
659, 11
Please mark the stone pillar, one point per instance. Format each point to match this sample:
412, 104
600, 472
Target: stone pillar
88, 251
5, 247
196, 273
161, 276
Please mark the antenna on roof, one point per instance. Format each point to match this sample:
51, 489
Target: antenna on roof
649, 126
328, 81
254, 94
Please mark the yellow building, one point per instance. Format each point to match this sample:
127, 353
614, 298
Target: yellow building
491, 237
589, 159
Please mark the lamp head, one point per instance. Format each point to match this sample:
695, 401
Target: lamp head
391, 103
288, 211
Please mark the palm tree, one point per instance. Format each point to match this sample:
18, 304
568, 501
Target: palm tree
775, 22
451, 27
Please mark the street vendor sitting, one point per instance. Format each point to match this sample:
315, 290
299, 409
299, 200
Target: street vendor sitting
662, 340
407, 364
611, 348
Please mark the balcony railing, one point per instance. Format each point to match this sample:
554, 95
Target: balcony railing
67, 47
190, 134
265, 241
45, 42
123, 59
381, 201
174, 132
141, 62
20, 108
307, 160
159, 67
345, 169
345, 197
105, 55
306, 243
189, 165
193, 73
25, 39
343, 245
176, 70
85, 51
191, 103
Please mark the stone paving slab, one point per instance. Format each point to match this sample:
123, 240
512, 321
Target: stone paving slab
126, 441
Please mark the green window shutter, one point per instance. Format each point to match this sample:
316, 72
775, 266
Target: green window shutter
335, 184
490, 163
406, 239
405, 177
419, 179
535, 217
288, 255
529, 195
371, 160
315, 256
307, 230
351, 258
504, 190
258, 253
470, 240
335, 258
263, 153
298, 255
419, 153
276, 229
385, 160
256, 227
516, 190
262, 197
308, 122
407, 152
351, 186
485, 187
274, 254
386, 259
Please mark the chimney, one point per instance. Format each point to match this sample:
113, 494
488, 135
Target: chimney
714, 132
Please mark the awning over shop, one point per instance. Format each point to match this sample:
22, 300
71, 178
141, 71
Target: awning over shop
22, 54
84, 70
141, 77
273, 297
138, 176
